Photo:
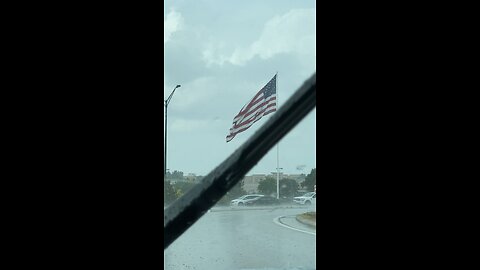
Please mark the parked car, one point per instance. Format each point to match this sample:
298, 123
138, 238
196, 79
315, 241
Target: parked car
264, 200
306, 198
245, 199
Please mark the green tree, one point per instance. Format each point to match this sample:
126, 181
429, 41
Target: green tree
178, 193
182, 187
268, 186
310, 180
168, 192
288, 188
175, 175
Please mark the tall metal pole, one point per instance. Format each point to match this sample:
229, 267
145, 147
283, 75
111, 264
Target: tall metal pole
278, 169
278, 176
166, 112
165, 145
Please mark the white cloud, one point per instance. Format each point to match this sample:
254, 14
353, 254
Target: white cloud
211, 54
172, 23
292, 32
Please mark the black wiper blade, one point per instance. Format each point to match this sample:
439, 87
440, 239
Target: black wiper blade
186, 210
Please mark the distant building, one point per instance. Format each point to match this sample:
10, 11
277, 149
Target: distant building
297, 177
250, 183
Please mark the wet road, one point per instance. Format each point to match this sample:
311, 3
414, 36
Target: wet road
248, 238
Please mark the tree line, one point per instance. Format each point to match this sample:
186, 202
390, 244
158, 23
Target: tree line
175, 175
288, 187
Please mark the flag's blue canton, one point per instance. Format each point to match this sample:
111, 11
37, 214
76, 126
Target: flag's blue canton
269, 89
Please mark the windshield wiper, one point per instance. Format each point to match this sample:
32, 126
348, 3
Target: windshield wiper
186, 210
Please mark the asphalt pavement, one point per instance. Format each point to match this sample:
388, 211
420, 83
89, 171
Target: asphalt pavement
245, 238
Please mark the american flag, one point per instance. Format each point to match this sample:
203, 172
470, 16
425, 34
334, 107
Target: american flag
263, 103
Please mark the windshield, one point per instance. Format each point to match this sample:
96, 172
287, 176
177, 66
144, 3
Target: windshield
220, 56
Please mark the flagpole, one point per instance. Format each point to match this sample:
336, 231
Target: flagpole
278, 176
278, 168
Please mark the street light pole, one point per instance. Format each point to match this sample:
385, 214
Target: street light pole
166, 112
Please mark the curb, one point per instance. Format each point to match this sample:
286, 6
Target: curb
246, 208
306, 221
278, 221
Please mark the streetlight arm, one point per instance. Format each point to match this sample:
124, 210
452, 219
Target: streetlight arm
166, 111
171, 95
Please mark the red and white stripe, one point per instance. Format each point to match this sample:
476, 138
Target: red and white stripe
251, 113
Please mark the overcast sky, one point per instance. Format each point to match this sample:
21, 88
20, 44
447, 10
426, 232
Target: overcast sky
222, 53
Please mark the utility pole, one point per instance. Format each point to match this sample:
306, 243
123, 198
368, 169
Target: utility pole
166, 112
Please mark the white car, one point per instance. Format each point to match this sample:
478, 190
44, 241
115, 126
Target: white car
306, 199
245, 199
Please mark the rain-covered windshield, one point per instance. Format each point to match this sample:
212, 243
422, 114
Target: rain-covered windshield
229, 67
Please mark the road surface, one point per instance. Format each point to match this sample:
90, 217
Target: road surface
248, 238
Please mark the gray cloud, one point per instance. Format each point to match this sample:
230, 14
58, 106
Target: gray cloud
222, 53
172, 23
